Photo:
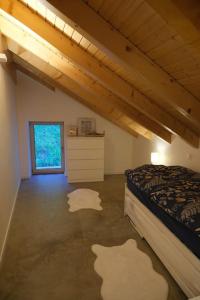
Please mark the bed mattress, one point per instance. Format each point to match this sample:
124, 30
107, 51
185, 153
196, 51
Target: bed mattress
156, 187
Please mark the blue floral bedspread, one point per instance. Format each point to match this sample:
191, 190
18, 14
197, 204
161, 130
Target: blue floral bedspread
175, 189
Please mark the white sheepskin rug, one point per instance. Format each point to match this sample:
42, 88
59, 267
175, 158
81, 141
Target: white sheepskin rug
84, 199
128, 274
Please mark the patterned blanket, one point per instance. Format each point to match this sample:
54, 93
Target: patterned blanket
175, 189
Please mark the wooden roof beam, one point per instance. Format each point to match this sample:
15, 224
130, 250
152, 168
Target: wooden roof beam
9, 67
3, 43
98, 96
44, 81
99, 72
36, 65
62, 64
37, 75
81, 17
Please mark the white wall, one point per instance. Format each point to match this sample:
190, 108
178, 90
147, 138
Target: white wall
178, 153
141, 152
37, 103
9, 167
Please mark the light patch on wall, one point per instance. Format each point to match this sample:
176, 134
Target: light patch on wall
128, 273
84, 199
155, 158
161, 147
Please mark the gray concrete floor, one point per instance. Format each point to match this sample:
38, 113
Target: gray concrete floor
48, 253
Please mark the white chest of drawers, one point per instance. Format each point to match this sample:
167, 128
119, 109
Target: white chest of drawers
85, 159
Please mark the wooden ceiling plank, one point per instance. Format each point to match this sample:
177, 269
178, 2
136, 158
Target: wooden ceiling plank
157, 129
111, 81
109, 7
123, 16
84, 43
76, 37
99, 55
92, 49
140, 16
183, 17
179, 57
172, 44
146, 29
68, 30
161, 35
118, 48
88, 83
96, 4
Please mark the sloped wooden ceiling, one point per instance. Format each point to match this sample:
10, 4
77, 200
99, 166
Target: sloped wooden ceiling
34, 70
122, 55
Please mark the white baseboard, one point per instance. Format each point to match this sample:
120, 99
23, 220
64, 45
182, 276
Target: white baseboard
27, 177
9, 222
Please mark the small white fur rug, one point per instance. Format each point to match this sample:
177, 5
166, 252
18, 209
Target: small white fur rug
128, 273
84, 199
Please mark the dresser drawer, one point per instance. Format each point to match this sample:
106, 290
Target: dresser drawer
85, 143
85, 175
85, 154
85, 164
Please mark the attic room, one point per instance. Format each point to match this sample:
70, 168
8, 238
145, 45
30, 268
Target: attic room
100, 157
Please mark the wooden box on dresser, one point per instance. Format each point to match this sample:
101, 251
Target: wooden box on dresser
85, 159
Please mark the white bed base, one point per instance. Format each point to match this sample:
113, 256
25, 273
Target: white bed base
182, 264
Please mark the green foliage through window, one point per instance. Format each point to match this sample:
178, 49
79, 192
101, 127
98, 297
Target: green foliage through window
48, 146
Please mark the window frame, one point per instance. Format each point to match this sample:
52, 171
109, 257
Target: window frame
36, 171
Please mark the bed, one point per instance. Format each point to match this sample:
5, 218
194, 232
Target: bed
163, 204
